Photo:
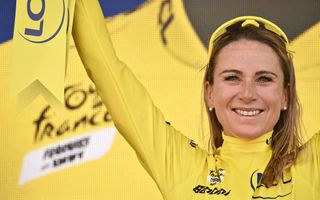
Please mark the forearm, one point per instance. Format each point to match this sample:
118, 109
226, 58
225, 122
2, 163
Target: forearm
130, 106
96, 51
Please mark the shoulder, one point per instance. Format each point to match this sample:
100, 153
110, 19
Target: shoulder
311, 149
314, 141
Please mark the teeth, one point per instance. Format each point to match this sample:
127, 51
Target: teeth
247, 113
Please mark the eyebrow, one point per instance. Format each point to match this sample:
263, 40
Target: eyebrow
240, 72
231, 70
266, 72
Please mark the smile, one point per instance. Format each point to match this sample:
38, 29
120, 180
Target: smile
247, 113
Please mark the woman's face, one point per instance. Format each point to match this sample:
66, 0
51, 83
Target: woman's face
247, 93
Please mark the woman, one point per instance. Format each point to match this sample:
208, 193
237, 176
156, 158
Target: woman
252, 105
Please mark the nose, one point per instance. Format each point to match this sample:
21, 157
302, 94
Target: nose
248, 91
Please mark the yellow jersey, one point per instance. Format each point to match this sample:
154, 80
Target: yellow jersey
79, 154
179, 167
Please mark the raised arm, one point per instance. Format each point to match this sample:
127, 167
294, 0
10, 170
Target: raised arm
127, 101
160, 148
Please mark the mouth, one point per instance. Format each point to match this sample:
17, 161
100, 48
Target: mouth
247, 112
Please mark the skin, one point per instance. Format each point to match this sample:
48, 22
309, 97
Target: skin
248, 93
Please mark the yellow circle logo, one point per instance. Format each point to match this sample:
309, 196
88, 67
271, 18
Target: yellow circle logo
44, 20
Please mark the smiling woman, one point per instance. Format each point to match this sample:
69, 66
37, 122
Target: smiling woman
250, 76
250, 83
252, 106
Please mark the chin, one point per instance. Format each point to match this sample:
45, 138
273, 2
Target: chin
249, 133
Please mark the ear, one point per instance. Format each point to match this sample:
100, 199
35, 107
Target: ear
208, 94
285, 98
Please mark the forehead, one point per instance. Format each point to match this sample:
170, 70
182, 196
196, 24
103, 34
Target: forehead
248, 56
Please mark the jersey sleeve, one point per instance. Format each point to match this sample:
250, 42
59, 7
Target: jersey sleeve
315, 148
306, 171
163, 151
312, 148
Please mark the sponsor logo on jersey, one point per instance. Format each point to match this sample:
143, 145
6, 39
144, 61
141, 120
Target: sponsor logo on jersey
216, 176
193, 144
201, 189
261, 191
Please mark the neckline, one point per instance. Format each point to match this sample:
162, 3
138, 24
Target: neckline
260, 144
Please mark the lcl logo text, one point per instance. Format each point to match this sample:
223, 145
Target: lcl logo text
38, 17
35, 33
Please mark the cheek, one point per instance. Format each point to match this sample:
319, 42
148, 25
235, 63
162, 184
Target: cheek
273, 97
220, 95
273, 100
223, 95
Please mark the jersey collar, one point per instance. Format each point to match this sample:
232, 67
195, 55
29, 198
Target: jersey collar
260, 144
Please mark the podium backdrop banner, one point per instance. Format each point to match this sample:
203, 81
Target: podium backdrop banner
78, 154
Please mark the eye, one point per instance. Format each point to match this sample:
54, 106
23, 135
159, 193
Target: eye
264, 79
232, 78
